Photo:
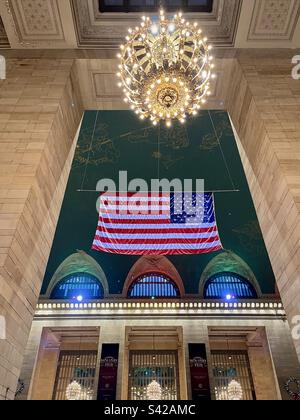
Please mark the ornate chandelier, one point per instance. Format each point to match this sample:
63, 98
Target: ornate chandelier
154, 391
165, 69
235, 391
73, 391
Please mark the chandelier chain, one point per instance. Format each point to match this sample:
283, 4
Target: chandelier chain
222, 153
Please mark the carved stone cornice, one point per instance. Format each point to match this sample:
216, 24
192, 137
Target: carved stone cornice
107, 30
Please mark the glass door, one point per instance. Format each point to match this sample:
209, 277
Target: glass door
153, 375
75, 376
232, 376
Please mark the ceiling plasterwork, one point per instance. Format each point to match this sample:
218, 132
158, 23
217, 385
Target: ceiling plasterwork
37, 20
274, 20
99, 88
39, 23
107, 30
69, 24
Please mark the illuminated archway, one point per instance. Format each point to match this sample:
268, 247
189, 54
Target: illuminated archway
228, 263
153, 265
78, 264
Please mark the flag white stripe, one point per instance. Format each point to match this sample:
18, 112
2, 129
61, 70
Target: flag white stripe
154, 247
156, 235
135, 199
135, 216
137, 207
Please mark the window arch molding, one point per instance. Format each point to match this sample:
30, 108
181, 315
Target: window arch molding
228, 262
224, 284
159, 265
78, 284
77, 263
153, 285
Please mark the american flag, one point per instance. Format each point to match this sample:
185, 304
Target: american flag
157, 224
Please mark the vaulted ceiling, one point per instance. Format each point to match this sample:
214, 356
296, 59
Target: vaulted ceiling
56, 24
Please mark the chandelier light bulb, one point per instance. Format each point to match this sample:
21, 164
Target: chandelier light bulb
154, 29
171, 27
73, 391
235, 391
161, 62
154, 391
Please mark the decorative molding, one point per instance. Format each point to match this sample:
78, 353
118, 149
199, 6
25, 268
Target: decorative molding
274, 20
183, 308
153, 264
4, 43
39, 24
99, 89
79, 262
104, 86
37, 20
107, 30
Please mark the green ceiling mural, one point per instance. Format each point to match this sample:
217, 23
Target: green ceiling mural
205, 148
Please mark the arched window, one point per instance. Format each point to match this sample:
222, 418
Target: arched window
230, 286
80, 286
151, 286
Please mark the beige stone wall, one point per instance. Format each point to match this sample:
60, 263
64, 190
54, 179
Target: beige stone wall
39, 115
262, 372
268, 361
264, 104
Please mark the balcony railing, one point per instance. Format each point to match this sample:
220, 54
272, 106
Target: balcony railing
119, 307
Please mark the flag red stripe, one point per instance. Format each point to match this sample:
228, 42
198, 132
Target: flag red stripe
130, 202
135, 221
159, 252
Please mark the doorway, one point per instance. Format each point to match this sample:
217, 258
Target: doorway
153, 375
229, 366
154, 364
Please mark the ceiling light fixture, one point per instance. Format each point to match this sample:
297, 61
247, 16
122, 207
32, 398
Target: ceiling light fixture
235, 391
165, 69
154, 391
73, 391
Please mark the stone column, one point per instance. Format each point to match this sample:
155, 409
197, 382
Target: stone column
40, 111
283, 354
264, 105
114, 333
